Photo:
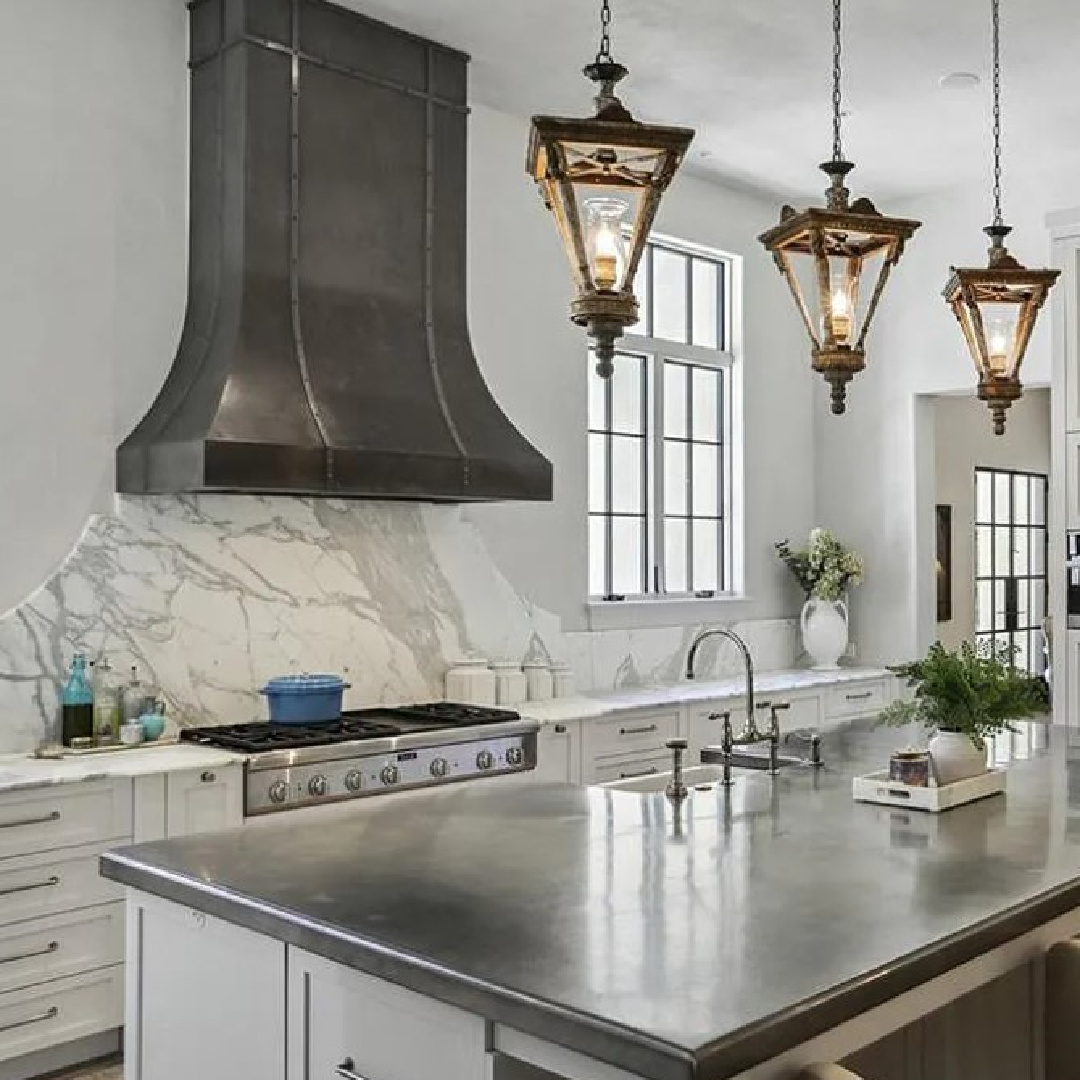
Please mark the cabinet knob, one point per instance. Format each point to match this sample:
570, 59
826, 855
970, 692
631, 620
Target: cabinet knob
208, 777
560, 729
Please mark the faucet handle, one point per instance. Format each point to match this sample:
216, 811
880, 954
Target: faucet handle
779, 706
762, 705
725, 715
677, 744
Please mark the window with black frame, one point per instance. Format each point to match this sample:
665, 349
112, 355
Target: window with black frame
660, 437
1010, 563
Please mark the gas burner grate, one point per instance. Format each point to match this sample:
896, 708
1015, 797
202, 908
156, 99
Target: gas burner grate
257, 738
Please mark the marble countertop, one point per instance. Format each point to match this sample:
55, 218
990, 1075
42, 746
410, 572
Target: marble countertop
18, 771
590, 706
678, 945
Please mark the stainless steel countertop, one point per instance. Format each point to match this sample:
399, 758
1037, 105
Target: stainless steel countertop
672, 948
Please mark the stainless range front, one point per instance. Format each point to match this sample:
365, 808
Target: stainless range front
374, 752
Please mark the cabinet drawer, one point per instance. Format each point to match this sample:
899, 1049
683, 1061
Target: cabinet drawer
57, 1012
343, 1022
632, 767
628, 733
61, 945
38, 885
855, 699
64, 815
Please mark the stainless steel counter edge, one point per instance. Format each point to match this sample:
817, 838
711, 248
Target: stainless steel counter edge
614, 1044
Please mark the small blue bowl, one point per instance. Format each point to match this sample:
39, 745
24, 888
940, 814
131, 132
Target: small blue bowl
153, 724
305, 699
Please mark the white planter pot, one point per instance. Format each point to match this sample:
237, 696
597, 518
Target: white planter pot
824, 632
955, 757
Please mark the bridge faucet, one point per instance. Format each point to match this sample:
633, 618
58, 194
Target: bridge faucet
750, 729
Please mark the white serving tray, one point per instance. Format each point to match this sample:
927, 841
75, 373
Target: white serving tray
878, 788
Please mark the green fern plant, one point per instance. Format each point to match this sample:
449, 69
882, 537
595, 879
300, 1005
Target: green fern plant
976, 692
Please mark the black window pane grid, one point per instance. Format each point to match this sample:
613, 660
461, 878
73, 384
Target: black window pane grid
1010, 563
627, 538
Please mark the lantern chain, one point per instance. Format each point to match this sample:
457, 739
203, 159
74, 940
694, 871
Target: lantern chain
837, 73
995, 9
603, 55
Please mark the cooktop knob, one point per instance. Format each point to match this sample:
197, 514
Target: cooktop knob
515, 756
279, 791
439, 767
485, 759
390, 775
317, 786
353, 779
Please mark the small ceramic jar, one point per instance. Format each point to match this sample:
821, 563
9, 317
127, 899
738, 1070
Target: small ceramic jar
541, 685
131, 733
471, 682
562, 677
511, 686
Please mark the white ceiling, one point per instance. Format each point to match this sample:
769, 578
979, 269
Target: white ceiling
752, 77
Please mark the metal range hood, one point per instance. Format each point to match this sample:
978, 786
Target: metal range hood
325, 349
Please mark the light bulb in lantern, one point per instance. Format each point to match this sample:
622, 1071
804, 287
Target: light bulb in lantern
840, 316
606, 247
997, 347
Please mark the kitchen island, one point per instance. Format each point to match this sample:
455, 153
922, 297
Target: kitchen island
596, 933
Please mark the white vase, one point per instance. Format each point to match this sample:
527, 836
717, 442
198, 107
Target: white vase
824, 632
955, 757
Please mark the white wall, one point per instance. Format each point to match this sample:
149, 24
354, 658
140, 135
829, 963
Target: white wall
964, 440
92, 294
93, 190
869, 487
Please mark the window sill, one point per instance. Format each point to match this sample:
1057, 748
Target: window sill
664, 611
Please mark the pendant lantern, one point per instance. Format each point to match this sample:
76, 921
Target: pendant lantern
603, 178
997, 305
837, 259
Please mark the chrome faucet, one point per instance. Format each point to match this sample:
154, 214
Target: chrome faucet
720, 631
725, 753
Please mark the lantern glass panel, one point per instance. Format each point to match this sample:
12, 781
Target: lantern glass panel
1000, 322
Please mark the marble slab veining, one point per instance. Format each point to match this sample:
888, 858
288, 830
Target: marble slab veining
211, 595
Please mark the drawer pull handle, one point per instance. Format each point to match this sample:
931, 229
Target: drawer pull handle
49, 1014
47, 884
637, 730
347, 1071
860, 697
54, 816
643, 772
560, 729
50, 948
207, 778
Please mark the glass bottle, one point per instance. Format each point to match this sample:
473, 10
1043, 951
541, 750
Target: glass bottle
106, 703
77, 705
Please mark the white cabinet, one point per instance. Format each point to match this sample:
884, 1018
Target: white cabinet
1072, 480
558, 753
625, 744
1072, 664
64, 815
205, 998
203, 800
343, 1023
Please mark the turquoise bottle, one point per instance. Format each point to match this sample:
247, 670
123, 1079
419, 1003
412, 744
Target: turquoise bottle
77, 706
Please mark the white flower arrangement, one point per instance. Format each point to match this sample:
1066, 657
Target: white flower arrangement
826, 569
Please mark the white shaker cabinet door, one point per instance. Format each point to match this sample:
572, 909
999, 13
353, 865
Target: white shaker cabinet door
204, 800
205, 999
343, 1023
558, 753
1072, 481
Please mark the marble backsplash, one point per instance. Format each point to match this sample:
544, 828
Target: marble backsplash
211, 595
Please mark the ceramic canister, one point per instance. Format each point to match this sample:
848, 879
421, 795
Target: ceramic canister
911, 767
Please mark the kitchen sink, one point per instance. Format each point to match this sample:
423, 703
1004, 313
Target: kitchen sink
700, 777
